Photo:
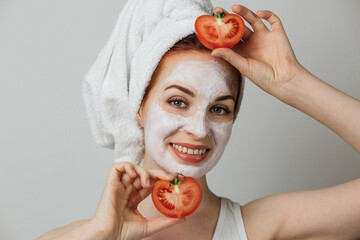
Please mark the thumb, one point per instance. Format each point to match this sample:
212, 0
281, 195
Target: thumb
157, 224
238, 61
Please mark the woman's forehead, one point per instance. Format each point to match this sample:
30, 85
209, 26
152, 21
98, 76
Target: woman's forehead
198, 70
201, 69
189, 59
206, 77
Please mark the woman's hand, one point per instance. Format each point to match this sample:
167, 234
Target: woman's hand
117, 216
263, 56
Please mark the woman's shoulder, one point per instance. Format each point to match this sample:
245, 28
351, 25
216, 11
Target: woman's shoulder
263, 214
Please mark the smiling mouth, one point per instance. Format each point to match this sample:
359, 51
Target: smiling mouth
190, 153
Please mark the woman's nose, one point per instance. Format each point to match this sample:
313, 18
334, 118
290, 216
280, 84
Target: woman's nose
197, 126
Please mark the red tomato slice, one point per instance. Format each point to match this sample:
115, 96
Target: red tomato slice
223, 30
178, 198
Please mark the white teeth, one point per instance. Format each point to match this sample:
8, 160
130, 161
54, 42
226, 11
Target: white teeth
189, 150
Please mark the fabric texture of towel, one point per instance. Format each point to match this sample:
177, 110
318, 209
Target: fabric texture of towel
114, 86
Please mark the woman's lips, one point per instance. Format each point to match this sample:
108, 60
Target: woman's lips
199, 152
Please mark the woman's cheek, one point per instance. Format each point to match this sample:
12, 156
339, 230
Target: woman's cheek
222, 133
160, 125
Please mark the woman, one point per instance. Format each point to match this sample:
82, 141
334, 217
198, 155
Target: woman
266, 58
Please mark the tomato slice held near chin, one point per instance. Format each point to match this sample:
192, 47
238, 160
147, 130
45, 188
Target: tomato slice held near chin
220, 31
178, 198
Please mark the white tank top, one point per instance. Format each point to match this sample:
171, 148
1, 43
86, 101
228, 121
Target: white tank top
230, 225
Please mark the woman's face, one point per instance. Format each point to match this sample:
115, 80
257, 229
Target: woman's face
188, 114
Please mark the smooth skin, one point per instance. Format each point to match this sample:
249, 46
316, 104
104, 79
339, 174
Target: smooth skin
266, 58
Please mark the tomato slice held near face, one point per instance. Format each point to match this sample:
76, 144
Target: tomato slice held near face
220, 31
178, 198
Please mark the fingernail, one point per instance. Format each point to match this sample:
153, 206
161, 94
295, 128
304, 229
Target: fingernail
133, 171
148, 182
170, 175
216, 55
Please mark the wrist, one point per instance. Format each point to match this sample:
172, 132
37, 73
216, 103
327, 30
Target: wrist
87, 229
296, 89
99, 230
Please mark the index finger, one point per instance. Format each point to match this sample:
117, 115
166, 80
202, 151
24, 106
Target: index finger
157, 174
219, 9
118, 169
250, 17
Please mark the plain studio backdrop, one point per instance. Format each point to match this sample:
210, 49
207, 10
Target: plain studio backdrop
51, 171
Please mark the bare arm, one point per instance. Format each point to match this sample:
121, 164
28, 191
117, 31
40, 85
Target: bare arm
329, 213
77, 228
61, 230
333, 108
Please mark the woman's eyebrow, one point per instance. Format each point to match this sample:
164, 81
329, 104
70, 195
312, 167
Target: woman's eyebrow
222, 98
185, 90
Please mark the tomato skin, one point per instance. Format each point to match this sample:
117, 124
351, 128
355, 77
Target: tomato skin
177, 201
222, 31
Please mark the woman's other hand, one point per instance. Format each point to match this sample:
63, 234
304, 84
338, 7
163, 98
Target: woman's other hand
117, 216
263, 56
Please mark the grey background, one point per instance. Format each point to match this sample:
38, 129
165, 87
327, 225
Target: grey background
51, 171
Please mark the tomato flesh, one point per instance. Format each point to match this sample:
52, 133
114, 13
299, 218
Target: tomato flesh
221, 31
177, 201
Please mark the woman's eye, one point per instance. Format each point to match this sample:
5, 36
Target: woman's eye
219, 110
178, 103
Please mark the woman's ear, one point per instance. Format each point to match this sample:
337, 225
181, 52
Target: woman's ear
139, 117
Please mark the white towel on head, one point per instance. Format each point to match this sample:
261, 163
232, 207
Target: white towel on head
114, 86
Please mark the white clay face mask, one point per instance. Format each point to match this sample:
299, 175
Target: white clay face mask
209, 79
